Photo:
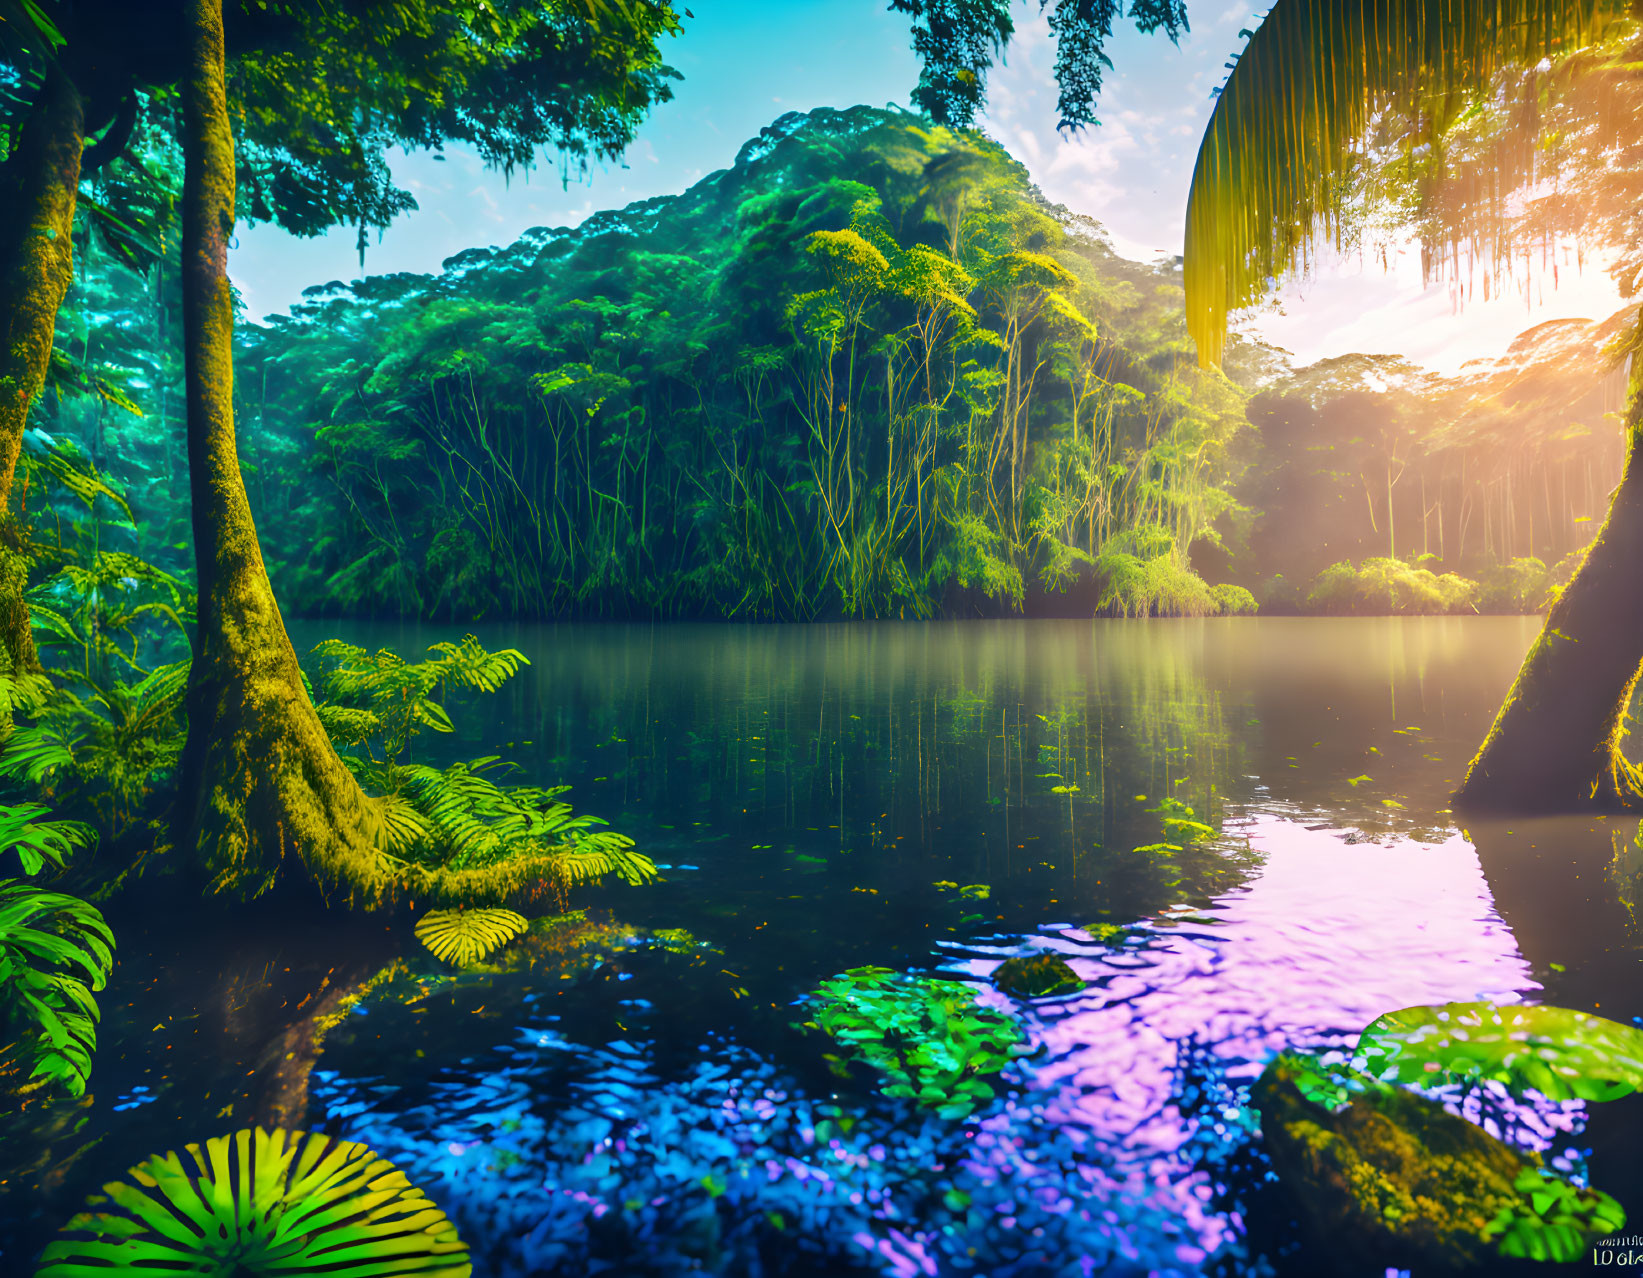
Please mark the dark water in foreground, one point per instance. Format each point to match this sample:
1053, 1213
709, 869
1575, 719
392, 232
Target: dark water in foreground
648, 1108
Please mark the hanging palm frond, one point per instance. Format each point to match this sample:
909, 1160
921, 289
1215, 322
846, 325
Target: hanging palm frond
1281, 149
261, 1202
466, 936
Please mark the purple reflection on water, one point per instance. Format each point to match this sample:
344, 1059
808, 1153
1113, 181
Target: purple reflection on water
1325, 938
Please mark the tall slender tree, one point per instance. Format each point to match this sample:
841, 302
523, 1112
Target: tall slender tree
322, 89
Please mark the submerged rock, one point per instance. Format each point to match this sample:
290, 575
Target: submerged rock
1036, 976
1395, 1179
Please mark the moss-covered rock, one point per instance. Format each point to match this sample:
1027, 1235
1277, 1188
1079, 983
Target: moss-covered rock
1036, 976
1396, 1179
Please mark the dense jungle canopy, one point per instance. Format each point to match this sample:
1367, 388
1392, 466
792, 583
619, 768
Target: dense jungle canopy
867, 371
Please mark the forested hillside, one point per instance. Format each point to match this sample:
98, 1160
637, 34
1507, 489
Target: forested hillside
866, 372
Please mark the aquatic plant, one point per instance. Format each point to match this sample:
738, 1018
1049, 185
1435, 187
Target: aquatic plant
1036, 976
1552, 1219
55, 952
261, 1203
1561, 1053
928, 1036
466, 936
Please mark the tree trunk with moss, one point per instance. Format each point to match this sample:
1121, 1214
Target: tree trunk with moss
260, 779
38, 187
1555, 746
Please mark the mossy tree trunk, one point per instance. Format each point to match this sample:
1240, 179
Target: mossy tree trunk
38, 187
260, 779
1555, 746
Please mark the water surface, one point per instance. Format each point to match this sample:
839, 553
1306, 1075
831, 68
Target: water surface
822, 796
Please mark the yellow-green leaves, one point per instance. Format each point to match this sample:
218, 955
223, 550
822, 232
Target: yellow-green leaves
1561, 1053
261, 1202
466, 936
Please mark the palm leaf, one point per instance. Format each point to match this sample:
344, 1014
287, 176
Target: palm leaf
47, 978
466, 936
261, 1202
1280, 150
39, 842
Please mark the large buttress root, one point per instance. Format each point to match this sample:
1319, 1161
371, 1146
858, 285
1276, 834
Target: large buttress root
1555, 745
38, 186
260, 778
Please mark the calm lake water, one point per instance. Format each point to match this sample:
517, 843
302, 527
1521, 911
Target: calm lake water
930, 798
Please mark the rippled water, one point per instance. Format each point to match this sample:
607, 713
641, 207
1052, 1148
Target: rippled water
646, 1109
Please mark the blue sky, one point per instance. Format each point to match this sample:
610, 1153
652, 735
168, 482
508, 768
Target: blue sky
745, 62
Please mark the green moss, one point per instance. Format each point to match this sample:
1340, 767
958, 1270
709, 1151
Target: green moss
1396, 1178
1036, 976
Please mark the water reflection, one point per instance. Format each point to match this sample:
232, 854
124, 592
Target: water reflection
1322, 939
810, 788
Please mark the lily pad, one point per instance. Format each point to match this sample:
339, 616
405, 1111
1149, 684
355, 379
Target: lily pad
1560, 1053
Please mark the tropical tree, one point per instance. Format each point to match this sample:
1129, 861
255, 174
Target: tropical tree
1278, 164
259, 775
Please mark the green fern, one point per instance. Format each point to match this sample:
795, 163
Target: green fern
404, 697
457, 833
63, 462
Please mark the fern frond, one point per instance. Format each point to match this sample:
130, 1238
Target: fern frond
471, 666
598, 855
63, 462
32, 754
347, 726
466, 936
403, 826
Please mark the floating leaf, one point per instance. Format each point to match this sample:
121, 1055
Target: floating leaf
1560, 1053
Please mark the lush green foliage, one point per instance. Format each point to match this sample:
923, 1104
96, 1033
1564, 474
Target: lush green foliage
457, 817
1389, 586
55, 952
1560, 1053
261, 1203
1553, 1220
1281, 151
926, 1035
867, 371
